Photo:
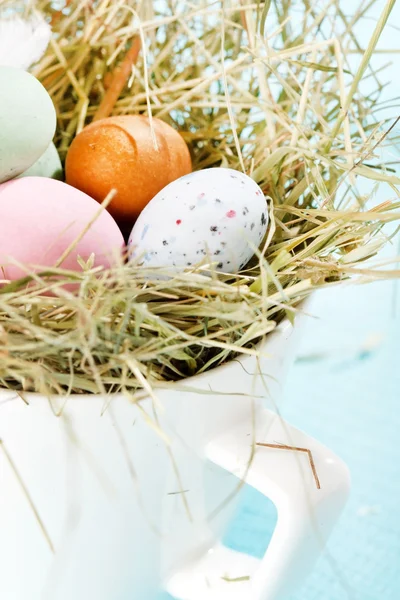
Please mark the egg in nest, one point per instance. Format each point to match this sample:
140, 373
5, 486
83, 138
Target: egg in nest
218, 215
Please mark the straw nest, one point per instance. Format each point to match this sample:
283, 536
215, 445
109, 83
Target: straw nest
269, 88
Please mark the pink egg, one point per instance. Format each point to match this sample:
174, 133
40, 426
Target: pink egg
39, 220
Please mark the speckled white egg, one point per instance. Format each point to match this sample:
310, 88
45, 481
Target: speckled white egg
216, 214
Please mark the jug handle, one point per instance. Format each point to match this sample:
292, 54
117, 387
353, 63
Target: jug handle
309, 486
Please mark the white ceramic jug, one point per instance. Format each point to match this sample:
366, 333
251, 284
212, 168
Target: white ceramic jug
102, 499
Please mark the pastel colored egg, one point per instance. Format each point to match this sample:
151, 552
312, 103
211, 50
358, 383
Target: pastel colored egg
48, 165
27, 121
119, 153
219, 215
40, 218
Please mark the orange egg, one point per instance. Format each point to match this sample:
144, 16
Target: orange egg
119, 153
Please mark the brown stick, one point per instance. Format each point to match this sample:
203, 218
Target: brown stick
243, 17
296, 449
119, 78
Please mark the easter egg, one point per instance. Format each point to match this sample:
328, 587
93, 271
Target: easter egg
119, 153
216, 214
48, 165
40, 218
27, 121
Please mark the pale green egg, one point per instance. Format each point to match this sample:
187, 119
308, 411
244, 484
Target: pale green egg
48, 165
27, 121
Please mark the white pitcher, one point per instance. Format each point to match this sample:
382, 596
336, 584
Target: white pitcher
102, 499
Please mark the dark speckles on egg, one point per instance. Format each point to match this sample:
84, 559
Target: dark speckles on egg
245, 211
165, 243
252, 226
223, 244
217, 252
189, 177
218, 200
213, 228
263, 219
192, 207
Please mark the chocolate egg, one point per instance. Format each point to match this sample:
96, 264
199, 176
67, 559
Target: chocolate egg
119, 153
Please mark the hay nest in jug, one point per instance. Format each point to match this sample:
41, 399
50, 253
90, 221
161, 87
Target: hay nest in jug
271, 89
